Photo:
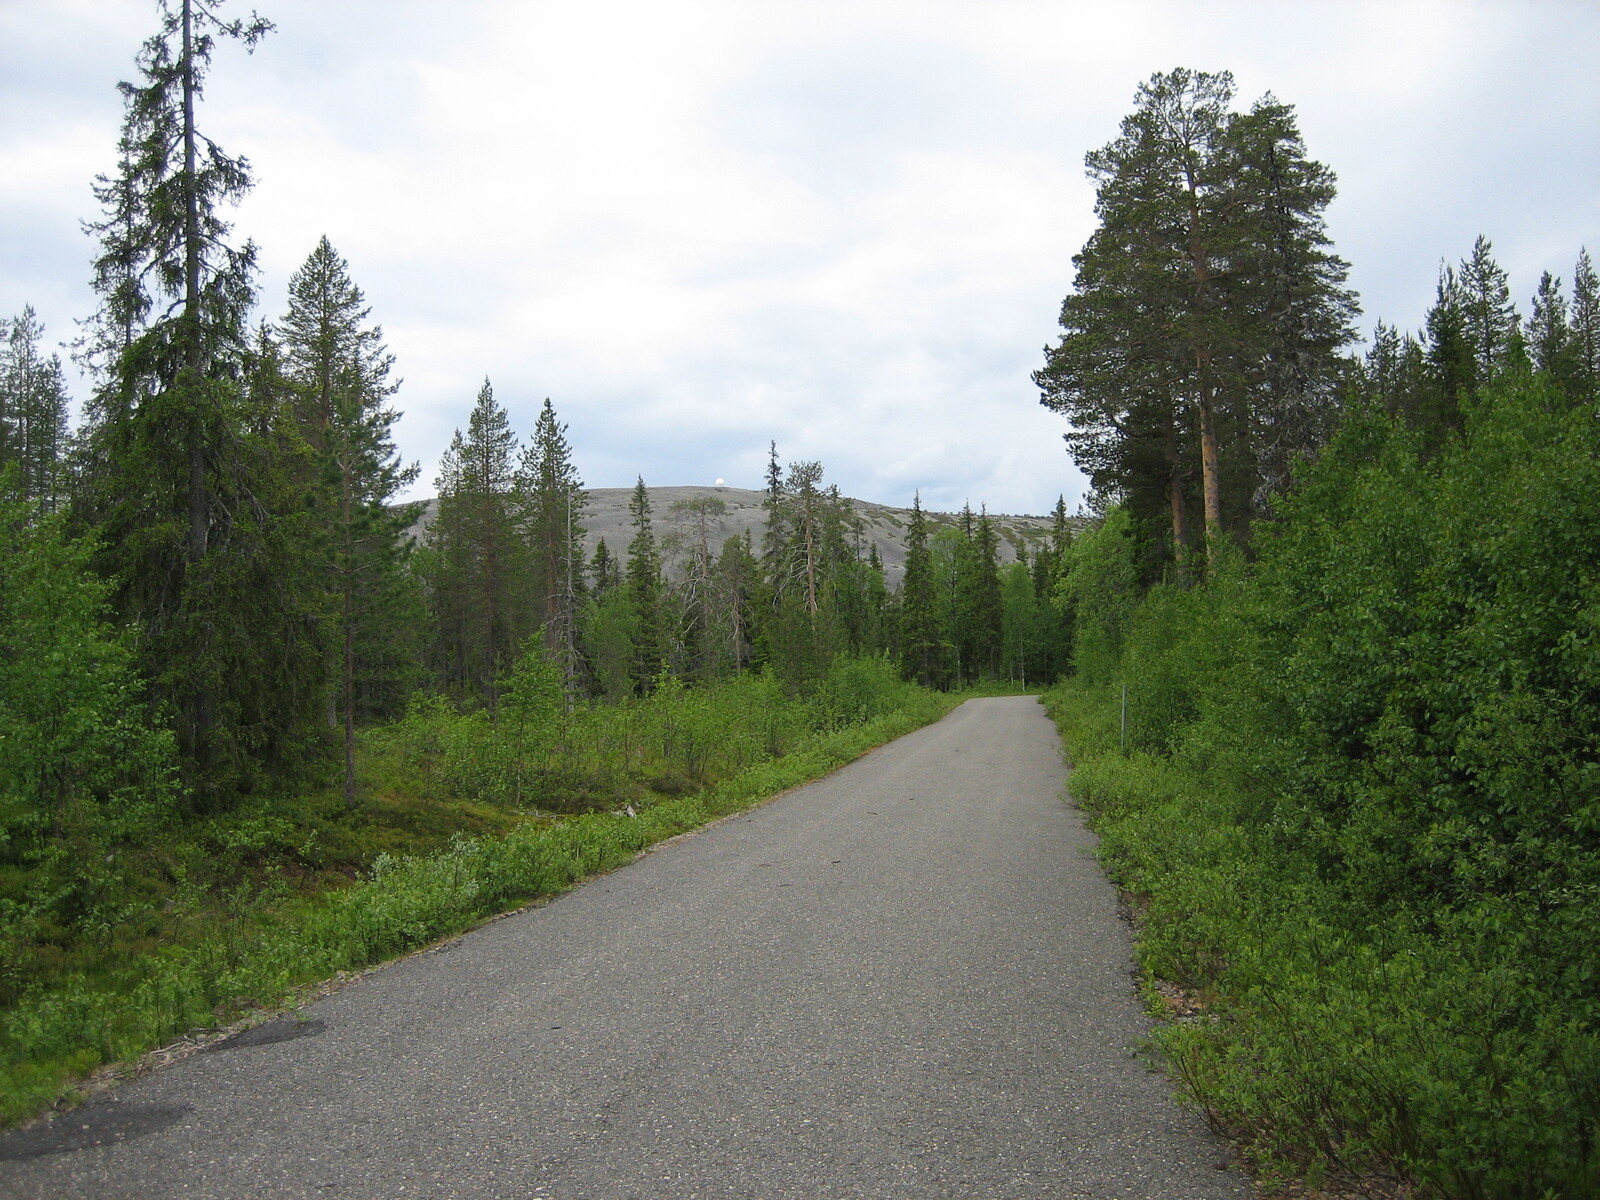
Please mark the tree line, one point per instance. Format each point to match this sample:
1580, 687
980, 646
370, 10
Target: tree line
225, 523
502, 565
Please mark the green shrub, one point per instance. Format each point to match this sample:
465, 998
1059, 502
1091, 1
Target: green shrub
1358, 808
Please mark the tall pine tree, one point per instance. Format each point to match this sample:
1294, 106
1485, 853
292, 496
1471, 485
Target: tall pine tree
1199, 338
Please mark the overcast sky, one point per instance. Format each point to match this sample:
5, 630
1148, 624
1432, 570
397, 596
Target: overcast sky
848, 227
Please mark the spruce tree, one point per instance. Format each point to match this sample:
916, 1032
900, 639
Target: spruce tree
921, 636
183, 470
606, 626
856, 586
1489, 318
1055, 620
340, 369
1452, 363
950, 549
1549, 335
643, 576
476, 568
956, 567
986, 600
1586, 329
551, 505
775, 537
33, 411
1394, 375
604, 571
734, 627
809, 561
165, 249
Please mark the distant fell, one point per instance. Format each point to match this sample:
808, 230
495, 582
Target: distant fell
882, 525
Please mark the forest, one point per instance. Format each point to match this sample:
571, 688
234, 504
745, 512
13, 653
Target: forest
1332, 699
1323, 649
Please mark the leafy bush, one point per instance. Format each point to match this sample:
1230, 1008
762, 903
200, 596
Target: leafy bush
1361, 808
86, 774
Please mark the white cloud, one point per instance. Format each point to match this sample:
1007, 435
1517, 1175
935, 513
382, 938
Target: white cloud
698, 226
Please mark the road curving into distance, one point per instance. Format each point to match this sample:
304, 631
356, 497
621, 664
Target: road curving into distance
906, 980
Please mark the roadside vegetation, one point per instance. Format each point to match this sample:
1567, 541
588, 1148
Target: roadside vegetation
469, 816
1357, 805
1337, 716
256, 726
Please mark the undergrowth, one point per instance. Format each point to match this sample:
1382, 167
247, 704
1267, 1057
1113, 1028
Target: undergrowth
1357, 804
462, 818
1332, 1038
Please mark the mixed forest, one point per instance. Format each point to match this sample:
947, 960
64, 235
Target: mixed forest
1333, 688
1324, 649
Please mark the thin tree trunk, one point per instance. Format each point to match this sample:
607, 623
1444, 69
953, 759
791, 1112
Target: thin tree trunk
1180, 545
811, 570
348, 620
491, 598
1211, 492
191, 298
195, 364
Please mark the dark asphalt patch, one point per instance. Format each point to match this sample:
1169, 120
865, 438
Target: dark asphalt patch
98, 1124
285, 1030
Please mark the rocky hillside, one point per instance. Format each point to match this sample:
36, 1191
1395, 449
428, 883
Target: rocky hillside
882, 526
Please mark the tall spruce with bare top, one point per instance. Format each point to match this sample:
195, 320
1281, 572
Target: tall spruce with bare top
184, 475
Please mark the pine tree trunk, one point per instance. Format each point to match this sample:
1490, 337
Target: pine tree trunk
1211, 492
1180, 546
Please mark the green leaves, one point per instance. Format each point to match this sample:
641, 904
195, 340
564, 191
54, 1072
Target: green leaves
1361, 803
1199, 355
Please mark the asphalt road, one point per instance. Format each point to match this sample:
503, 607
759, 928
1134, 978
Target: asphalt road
906, 980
